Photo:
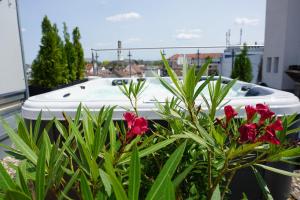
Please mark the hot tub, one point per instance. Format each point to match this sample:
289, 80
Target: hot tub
100, 92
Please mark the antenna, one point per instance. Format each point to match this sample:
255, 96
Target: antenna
229, 34
241, 34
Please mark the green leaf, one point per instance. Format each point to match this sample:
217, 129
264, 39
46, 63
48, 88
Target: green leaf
117, 186
6, 181
151, 149
167, 172
216, 194
37, 126
20, 144
182, 176
105, 181
263, 186
16, 195
22, 182
86, 192
169, 192
279, 171
285, 153
134, 175
69, 185
40, 174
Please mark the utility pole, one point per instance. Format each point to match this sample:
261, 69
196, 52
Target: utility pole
96, 64
232, 61
198, 59
129, 56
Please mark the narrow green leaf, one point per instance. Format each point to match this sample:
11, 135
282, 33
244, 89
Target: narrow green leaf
22, 182
182, 176
263, 186
119, 191
134, 175
37, 126
20, 144
216, 194
6, 181
78, 114
151, 149
169, 192
86, 192
105, 181
40, 174
16, 195
69, 185
167, 172
279, 171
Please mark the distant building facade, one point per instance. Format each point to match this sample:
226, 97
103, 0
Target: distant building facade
177, 61
255, 55
282, 42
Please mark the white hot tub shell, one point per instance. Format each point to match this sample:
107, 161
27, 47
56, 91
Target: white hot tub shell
100, 92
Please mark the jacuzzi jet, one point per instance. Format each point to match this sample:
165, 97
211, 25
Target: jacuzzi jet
82, 87
66, 95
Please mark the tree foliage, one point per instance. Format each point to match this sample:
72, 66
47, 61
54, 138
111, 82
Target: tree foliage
48, 66
58, 61
242, 67
79, 54
71, 57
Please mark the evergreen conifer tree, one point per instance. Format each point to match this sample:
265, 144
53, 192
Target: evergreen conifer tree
79, 54
242, 66
47, 67
70, 54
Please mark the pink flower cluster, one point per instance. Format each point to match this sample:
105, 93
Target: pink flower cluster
259, 131
136, 125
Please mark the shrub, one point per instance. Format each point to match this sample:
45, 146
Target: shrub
195, 155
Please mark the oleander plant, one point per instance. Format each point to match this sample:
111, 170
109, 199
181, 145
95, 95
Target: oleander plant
192, 153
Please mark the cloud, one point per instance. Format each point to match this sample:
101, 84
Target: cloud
188, 34
123, 17
23, 29
246, 21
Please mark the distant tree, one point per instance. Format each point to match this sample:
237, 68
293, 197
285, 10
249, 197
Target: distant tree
79, 54
70, 54
47, 67
63, 71
242, 67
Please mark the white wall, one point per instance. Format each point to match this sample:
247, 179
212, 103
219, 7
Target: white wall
11, 66
282, 39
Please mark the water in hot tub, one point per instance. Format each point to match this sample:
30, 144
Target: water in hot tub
153, 90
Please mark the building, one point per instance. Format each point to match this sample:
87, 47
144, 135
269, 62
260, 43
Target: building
282, 42
177, 61
255, 55
13, 85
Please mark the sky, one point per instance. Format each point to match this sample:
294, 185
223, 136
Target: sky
145, 23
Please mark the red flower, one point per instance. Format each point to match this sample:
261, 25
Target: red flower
247, 132
250, 111
136, 125
269, 136
264, 111
277, 125
130, 118
229, 112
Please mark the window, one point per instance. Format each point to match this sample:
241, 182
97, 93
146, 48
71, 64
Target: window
276, 63
269, 63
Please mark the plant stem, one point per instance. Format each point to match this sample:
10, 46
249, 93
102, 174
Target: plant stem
227, 184
209, 169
